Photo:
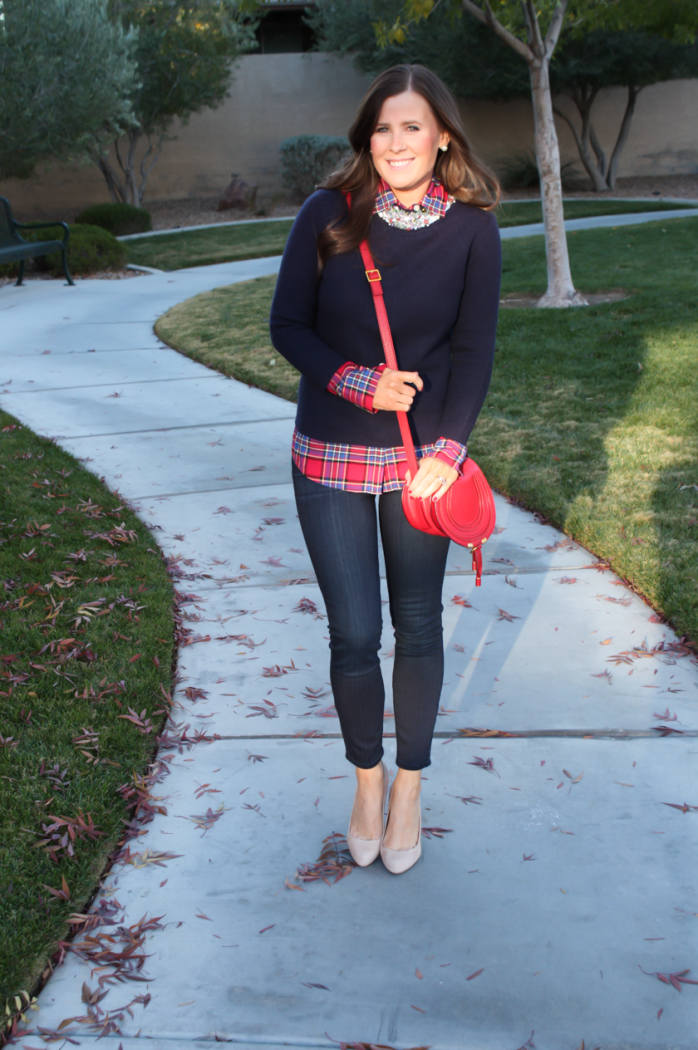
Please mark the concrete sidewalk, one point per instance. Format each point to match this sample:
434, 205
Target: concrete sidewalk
562, 871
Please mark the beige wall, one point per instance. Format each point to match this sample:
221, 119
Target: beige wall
276, 96
663, 136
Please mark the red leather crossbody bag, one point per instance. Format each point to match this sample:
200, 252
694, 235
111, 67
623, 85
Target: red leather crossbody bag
466, 512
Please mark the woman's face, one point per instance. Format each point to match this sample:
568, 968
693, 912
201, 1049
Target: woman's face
405, 143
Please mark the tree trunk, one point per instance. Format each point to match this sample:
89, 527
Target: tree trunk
127, 188
582, 141
622, 136
115, 189
147, 164
133, 190
561, 291
596, 146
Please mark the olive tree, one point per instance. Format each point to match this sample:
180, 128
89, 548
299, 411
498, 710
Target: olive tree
184, 53
532, 30
632, 59
66, 79
476, 64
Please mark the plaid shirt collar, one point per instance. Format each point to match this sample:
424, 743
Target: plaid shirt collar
434, 202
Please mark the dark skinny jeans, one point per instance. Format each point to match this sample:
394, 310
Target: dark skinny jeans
341, 535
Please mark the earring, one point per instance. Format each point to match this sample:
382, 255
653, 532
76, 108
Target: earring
443, 148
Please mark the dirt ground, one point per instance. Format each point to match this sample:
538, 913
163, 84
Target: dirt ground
198, 211
684, 186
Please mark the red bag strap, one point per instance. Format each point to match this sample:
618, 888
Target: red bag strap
375, 283
374, 279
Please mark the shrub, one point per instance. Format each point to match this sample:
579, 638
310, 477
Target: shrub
519, 171
48, 233
90, 250
119, 219
307, 159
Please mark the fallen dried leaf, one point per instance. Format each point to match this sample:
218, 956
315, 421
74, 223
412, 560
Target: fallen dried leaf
465, 799
675, 979
334, 860
435, 832
485, 732
458, 599
483, 763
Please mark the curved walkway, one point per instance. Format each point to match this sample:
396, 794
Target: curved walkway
532, 228
562, 870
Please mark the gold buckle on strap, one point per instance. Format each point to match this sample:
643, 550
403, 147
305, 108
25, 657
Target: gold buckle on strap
371, 279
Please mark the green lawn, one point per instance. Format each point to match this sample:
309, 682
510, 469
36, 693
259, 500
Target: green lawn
175, 251
521, 213
592, 416
86, 621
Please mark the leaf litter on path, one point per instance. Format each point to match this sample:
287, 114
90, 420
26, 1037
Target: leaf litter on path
675, 979
335, 861
437, 832
483, 763
207, 820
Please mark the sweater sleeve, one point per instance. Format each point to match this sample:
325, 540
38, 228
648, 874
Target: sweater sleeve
294, 305
473, 335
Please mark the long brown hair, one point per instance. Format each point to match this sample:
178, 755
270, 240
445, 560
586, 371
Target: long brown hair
458, 170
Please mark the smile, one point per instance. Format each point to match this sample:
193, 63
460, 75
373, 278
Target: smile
400, 163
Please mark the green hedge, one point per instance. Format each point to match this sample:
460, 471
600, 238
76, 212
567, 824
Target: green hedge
118, 219
307, 159
90, 250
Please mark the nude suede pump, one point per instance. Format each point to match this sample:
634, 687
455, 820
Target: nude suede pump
399, 860
365, 851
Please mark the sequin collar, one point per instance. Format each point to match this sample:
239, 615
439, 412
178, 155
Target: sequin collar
433, 205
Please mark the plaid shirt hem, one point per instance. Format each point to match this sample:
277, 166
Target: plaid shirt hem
363, 468
356, 384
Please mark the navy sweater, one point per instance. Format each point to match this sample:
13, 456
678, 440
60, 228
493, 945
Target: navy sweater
441, 288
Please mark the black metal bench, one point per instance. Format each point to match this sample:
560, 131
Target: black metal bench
14, 248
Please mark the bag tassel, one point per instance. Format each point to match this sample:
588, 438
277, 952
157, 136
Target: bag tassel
477, 565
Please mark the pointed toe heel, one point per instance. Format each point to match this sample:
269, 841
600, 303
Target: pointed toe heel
365, 851
399, 860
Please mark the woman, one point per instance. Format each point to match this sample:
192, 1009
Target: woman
420, 197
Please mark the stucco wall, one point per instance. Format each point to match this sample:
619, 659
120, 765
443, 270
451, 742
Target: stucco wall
276, 96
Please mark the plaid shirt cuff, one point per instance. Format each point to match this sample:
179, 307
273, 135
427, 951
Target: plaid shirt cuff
356, 384
451, 452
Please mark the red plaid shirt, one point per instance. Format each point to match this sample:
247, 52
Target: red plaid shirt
363, 468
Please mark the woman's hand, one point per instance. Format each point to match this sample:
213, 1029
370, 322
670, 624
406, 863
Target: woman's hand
434, 478
393, 394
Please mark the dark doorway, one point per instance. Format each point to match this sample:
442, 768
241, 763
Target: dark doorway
283, 31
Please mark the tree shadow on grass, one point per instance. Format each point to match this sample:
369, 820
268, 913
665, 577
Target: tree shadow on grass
592, 415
